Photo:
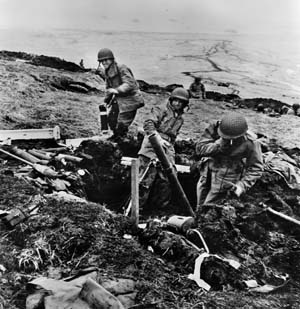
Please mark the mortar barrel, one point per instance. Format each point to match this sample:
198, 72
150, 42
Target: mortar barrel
25, 155
170, 171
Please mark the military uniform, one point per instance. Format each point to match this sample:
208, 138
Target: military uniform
123, 109
167, 122
293, 111
239, 161
197, 90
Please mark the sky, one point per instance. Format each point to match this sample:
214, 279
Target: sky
153, 15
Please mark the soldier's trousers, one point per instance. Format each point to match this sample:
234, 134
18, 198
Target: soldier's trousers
154, 189
119, 122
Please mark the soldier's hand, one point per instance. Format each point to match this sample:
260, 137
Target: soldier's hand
112, 91
99, 71
223, 143
229, 186
232, 188
238, 190
108, 98
164, 143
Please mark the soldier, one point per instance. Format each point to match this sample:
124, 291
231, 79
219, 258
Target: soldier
295, 110
167, 122
123, 96
81, 64
231, 159
197, 89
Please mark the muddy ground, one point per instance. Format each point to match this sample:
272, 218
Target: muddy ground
66, 236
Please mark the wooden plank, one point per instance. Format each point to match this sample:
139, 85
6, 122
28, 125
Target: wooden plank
180, 168
135, 191
75, 142
27, 134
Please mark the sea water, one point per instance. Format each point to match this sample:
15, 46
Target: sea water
250, 65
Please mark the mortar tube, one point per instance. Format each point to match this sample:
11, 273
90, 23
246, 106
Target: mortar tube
25, 155
44, 170
170, 172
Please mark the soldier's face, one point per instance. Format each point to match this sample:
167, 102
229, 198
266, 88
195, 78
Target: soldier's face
105, 63
177, 104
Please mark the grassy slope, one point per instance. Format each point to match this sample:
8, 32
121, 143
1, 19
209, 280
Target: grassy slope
28, 100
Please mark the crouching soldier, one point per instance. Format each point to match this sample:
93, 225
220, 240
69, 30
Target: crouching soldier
295, 110
197, 89
231, 159
166, 122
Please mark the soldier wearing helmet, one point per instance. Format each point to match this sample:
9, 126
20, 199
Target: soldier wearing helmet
167, 122
231, 159
197, 89
123, 96
295, 110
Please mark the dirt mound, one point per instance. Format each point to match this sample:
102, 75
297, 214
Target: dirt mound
66, 236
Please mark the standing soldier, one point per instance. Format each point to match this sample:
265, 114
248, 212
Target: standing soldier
123, 96
231, 159
81, 64
197, 89
166, 122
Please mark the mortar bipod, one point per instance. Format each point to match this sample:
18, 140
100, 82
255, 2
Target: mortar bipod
151, 162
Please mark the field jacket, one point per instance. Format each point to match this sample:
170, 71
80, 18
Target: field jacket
167, 123
120, 77
197, 90
240, 163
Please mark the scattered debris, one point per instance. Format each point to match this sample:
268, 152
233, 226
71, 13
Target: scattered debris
25, 134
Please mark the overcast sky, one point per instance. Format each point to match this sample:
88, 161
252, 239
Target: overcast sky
153, 15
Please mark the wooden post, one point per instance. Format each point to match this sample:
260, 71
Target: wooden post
135, 191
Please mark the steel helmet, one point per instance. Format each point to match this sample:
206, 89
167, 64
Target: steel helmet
232, 125
260, 107
105, 53
181, 94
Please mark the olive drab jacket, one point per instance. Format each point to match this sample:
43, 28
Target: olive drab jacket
197, 90
240, 163
120, 77
167, 123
